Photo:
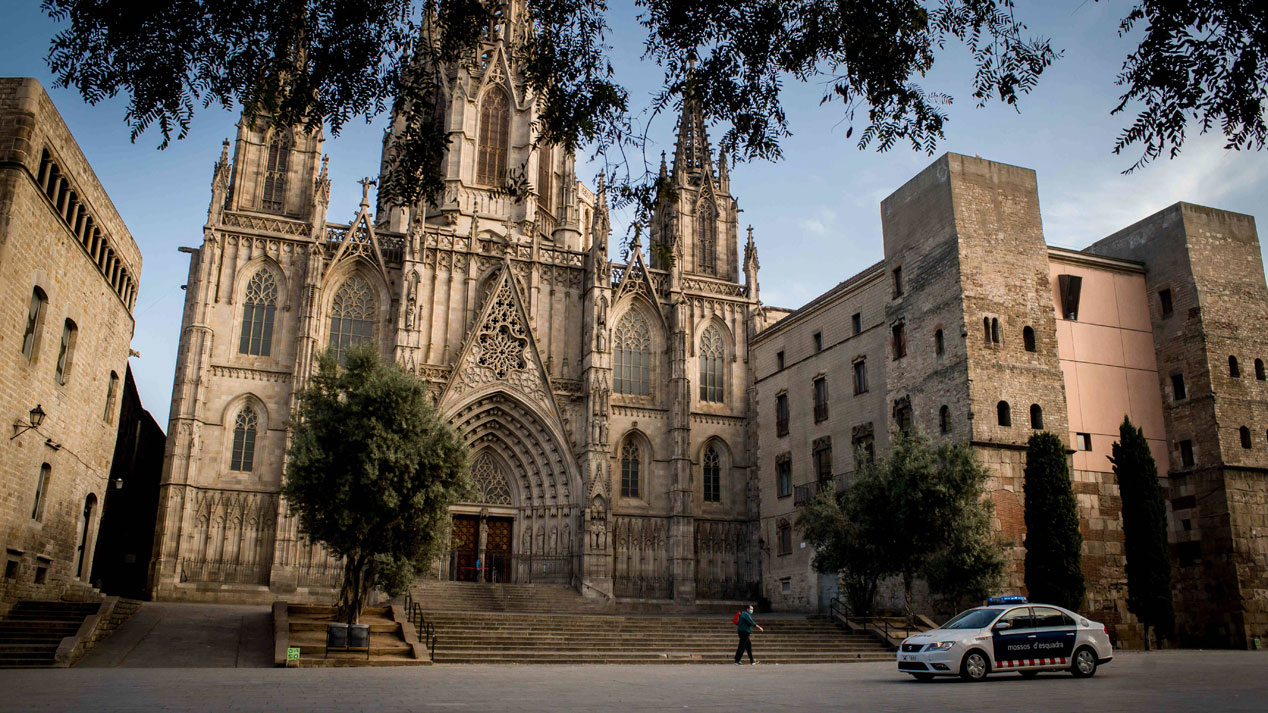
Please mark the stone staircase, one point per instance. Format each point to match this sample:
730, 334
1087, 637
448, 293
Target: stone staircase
32, 631
438, 596
486, 623
388, 647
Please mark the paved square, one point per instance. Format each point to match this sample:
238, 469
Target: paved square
1159, 681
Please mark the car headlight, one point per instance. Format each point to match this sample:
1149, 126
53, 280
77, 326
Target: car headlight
940, 646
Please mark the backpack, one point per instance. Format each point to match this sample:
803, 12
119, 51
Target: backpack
736, 619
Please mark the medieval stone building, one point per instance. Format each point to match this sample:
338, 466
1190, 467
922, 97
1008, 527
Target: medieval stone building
605, 401
69, 273
973, 329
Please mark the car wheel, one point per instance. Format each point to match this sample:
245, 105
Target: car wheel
1028, 674
975, 666
923, 676
1084, 663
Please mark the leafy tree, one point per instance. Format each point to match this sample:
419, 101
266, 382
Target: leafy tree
1054, 544
371, 472
1144, 531
970, 565
842, 528
328, 61
918, 513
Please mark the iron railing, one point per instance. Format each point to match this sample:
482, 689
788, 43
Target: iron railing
202, 570
884, 627
425, 630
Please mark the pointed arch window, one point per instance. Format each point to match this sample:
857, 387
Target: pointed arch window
545, 182
490, 481
34, 321
712, 351
707, 240
495, 138
276, 166
632, 363
351, 315
631, 459
258, 307
244, 428
66, 353
712, 475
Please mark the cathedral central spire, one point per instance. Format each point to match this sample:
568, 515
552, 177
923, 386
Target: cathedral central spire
692, 155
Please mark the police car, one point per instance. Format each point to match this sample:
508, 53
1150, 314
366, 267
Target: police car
1008, 634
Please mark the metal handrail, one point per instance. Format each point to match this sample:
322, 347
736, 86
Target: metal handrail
837, 607
422, 627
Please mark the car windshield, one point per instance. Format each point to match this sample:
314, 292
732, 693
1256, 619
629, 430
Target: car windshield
972, 619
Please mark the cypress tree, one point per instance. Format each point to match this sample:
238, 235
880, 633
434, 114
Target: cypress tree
1144, 532
1054, 544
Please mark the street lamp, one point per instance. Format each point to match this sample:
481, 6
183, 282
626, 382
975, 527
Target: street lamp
37, 417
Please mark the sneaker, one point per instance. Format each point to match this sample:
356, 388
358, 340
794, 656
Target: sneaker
753, 663
737, 663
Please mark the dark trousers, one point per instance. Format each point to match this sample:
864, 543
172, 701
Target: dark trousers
745, 645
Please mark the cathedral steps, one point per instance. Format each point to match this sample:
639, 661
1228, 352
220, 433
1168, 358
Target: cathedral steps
517, 623
31, 632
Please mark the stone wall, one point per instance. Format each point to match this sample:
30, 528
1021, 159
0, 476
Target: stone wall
1210, 261
45, 243
788, 579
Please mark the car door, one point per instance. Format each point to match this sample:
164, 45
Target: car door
1054, 634
1014, 644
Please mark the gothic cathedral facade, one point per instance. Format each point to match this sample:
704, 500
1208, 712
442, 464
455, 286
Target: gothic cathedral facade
607, 405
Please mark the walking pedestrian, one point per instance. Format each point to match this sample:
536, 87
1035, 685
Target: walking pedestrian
744, 627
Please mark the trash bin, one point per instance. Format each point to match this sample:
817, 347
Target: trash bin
359, 636
336, 636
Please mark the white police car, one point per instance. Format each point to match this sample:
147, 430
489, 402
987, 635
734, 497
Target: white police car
1008, 634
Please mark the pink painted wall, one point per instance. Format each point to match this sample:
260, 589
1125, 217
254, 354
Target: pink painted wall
1109, 363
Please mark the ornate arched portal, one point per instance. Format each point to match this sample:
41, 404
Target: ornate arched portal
527, 489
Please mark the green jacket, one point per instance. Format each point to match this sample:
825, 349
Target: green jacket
746, 622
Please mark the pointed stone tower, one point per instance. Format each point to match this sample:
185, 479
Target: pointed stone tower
696, 216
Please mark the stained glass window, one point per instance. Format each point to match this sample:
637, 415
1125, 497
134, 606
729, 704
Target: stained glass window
632, 364
279, 159
712, 350
243, 457
351, 315
495, 138
630, 458
707, 240
258, 307
712, 475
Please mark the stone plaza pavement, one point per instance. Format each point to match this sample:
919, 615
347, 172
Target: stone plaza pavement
1159, 681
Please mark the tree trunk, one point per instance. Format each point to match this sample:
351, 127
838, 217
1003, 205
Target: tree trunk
907, 583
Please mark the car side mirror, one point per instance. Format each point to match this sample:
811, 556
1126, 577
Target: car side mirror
1002, 625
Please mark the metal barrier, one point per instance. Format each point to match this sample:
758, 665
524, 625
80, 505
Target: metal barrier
425, 629
881, 626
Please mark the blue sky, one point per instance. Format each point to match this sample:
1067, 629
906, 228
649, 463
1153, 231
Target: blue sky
816, 214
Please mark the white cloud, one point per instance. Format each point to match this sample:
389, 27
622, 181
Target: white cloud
1082, 207
823, 224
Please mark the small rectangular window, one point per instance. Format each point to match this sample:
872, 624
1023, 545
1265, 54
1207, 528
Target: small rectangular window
818, 340
900, 341
1083, 441
822, 454
1186, 454
779, 361
898, 281
785, 585
1177, 387
821, 399
1071, 286
783, 475
856, 322
860, 376
1164, 301
785, 540
781, 415
40, 574
11, 569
